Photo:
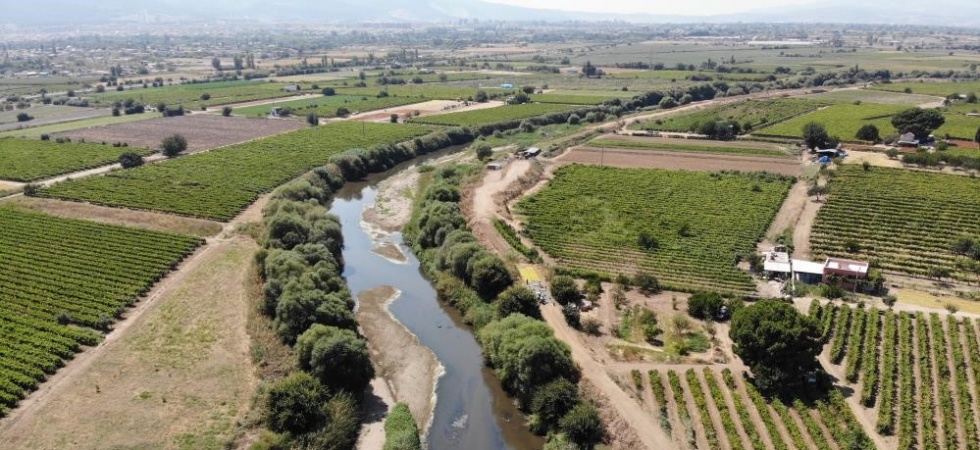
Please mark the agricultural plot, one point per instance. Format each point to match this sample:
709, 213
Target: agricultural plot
873, 96
751, 114
424, 91
568, 99
202, 131
898, 218
937, 89
695, 224
28, 160
494, 115
59, 276
39, 113
916, 373
749, 420
190, 95
737, 148
327, 106
220, 183
844, 120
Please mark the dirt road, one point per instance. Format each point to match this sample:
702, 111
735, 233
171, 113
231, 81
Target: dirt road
483, 203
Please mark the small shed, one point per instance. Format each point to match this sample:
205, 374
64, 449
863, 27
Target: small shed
531, 152
907, 140
846, 268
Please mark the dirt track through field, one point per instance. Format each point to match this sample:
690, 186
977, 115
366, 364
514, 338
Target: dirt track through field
679, 160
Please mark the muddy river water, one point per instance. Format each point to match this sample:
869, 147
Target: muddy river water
471, 411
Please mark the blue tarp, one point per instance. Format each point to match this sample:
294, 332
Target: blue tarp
824, 160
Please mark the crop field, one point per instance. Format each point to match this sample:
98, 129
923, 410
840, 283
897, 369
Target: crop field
39, 112
202, 131
709, 420
937, 89
873, 96
756, 113
424, 91
189, 95
699, 223
690, 146
28, 160
843, 120
58, 273
220, 183
913, 372
570, 99
327, 106
494, 115
37, 131
895, 216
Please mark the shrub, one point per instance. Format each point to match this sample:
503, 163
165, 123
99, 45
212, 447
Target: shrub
705, 305
328, 92
572, 316
401, 430
646, 283
294, 404
574, 119
551, 402
564, 289
129, 160
483, 150
226, 111
173, 145
24, 117
517, 300
582, 425
336, 357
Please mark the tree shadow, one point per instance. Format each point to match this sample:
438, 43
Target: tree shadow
373, 407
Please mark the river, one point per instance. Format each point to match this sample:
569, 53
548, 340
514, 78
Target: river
472, 411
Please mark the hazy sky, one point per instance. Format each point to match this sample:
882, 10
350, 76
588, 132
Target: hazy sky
669, 7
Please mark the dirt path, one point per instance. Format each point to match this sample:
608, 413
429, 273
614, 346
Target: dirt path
409, 368
178, 363
815, 414
804, 431
652, 437
804, 227
788, 215
865, 416
378, 401
483, 203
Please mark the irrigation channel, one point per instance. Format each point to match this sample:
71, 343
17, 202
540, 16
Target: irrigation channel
471, 411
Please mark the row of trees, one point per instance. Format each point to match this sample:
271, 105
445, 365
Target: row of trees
531, 363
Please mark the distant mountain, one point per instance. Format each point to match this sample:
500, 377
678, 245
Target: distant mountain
899, 12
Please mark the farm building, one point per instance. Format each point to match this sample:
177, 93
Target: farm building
778, 264
531, 152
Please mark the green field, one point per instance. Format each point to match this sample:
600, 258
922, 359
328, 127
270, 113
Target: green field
38, 112
189, 95
30, 160
591, 218
873, 96
571, 99
897, 217
327, 106
425, 91
494, 115
757, 113
730, 148
220, 183
937, 89
57, 272
844, 120
36, 132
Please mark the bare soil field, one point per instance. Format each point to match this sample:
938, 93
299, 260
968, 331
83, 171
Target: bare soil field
117, 216
203, 131
178, 375
696, 142
410, 369
679, 160
427, 108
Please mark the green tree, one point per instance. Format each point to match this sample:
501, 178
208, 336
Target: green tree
312, 119
129, 160
482, 150
173, 145
868, 132
574, 119
564, 289
342, 112
226, 111
488, 275
816, 190
776, 342
216, 63
668, 102
328, 92
551, 402
294, 404
583, 426
336, 357
646, 283
815, 135
517, 300
481, 96
918, 121
705, 305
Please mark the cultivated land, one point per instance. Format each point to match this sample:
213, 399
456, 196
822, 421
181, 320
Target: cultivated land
59, 278
940, 89
875, 96
591, 218
202, 131
494, 115
844, 120
31, 160
892, 216
101, 120
753, 113
914, 373
220, 183
183, 366
681, 160
327, 106
189, 95
685, 145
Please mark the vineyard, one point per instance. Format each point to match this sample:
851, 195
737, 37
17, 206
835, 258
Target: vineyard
916, 374
190, 95
844, 120
705, 409
327, 106
220, 183
696, 224
891, 216
58, 276
30, 160
731, 148
937, 89
494, 115
756, 113
569, 99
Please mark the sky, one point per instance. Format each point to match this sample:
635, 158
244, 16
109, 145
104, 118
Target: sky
665, 7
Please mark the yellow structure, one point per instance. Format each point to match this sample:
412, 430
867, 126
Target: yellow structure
529, 273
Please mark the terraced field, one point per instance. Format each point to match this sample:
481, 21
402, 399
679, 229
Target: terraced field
916, 373
220, 183
708, 409
30, 160
893, 216
591, 218
756, 113
60, 276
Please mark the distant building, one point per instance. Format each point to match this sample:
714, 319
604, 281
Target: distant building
291, 88
778, 264
506, 86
